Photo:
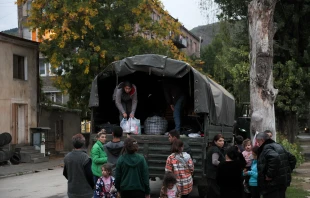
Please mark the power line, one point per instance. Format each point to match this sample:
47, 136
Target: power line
7, 15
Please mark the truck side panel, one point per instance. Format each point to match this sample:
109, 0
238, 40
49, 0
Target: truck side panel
156, 149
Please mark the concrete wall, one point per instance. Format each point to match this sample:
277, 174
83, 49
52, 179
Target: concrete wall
71, 123
16, 91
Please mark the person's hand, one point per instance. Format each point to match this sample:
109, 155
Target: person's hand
172, 107
268, 178
245, 173
147, 196
125, 115
132, 115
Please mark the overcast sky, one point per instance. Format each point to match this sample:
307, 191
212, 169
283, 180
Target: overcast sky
187, 11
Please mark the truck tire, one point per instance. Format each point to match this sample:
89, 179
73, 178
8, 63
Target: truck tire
5, 138
15, 159
202, 191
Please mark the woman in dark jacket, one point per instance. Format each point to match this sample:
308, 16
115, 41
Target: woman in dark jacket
215, 156
126, 99
229, 174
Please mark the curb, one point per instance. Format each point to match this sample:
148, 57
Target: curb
31, 171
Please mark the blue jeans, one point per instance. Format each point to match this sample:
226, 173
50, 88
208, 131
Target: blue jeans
177, 113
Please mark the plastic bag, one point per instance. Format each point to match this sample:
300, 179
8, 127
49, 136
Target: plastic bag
135, 126
125, 125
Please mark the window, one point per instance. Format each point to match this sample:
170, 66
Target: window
19, 67
42, 65
56, 71
27, 34
26, 8
59, 98
55, 97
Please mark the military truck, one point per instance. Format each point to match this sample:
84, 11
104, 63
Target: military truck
209, 108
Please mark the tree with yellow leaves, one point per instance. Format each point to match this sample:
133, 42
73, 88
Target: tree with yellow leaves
87, 35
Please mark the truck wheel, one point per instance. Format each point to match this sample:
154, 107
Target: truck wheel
202, 191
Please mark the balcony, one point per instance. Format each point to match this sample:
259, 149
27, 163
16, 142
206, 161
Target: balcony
180, 42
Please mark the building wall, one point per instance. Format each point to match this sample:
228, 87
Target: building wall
71, 125
193, 43
16, 91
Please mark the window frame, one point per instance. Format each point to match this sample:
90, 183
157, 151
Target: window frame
25, 68
44, 64
50, 73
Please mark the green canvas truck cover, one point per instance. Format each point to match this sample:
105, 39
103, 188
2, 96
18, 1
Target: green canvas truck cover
209, 97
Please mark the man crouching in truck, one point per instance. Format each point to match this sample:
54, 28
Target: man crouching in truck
174, 134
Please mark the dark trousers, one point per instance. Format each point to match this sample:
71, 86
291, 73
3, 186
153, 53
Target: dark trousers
185, 196
132, 194
95, 179
254, 192
127, 107
213, 190
280, 193
95, 182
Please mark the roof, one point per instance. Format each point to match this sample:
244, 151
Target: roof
18, 41
191, 33
209, 97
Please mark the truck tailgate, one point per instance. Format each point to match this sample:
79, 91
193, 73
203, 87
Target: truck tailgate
156, 149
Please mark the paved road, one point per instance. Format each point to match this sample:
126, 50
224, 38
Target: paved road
50, 184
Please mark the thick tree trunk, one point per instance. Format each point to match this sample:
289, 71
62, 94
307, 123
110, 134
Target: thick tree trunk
262, 92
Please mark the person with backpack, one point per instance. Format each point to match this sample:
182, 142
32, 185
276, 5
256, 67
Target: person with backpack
181, 165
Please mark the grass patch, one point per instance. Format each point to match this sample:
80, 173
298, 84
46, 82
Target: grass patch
295, 192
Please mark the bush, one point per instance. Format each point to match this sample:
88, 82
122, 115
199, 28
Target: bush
294, 148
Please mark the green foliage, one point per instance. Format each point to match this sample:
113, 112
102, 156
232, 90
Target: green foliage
289, 80
85, 36
226, 61
293, 148
291, 54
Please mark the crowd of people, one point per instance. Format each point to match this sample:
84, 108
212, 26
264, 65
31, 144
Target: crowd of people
249, 170
115, 169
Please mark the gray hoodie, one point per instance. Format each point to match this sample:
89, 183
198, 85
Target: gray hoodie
121, 97
113, 150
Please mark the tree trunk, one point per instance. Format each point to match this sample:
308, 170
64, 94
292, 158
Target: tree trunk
291, 124
262, 92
